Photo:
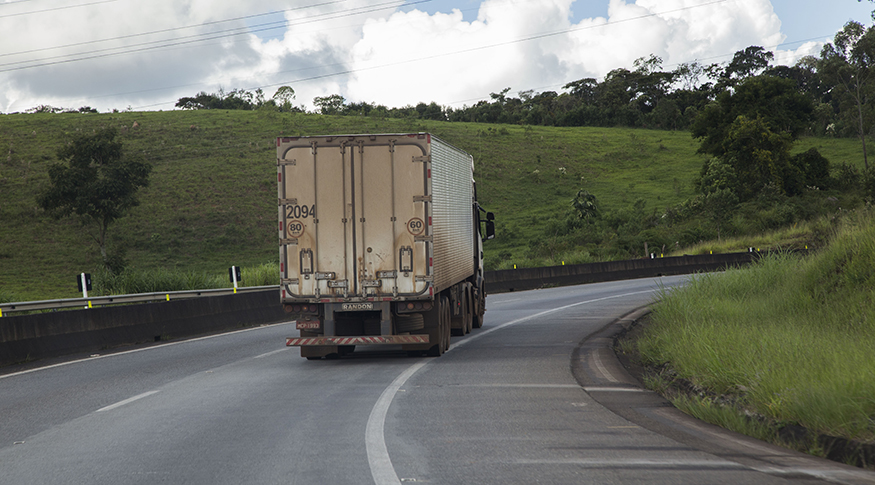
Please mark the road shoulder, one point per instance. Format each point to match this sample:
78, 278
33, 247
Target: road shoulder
603, 376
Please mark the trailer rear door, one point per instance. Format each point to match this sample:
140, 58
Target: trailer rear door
354, 216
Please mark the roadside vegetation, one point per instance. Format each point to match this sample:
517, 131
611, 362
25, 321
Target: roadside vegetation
158, 280
211, 200
784, 342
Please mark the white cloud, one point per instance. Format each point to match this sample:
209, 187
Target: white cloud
676, 30
396, 57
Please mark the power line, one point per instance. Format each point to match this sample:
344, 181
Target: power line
65, 7
162, 31
196, 38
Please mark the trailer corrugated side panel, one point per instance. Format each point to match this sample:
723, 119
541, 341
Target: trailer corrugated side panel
453, 225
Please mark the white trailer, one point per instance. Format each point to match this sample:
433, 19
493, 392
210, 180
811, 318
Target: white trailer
380, 242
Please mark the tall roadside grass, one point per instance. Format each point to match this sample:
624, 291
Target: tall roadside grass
793, 338
159, 280
797, 236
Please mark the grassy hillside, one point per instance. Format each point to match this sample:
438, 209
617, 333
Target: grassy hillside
786, 340
212, 198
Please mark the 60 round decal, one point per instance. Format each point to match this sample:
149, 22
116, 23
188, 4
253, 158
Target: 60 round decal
415, 226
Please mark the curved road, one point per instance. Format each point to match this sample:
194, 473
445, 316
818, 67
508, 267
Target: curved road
525, 399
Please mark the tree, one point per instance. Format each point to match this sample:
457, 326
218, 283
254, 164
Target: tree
716, 175
758, 155
235, 99
775, 101
750, 62
718, 185
585, 205
431, 111
284, 97
96, 181
719, 206
807, 169
329, 105
849, 63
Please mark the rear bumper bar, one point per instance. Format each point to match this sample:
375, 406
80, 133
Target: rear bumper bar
364, 340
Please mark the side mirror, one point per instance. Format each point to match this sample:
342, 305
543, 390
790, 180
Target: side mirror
490, 216
490, 229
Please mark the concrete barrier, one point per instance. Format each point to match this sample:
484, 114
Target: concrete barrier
576, 274
42, 335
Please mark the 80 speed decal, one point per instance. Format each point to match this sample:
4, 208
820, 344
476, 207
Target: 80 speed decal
295, 229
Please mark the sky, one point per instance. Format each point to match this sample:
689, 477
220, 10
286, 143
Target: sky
145, 55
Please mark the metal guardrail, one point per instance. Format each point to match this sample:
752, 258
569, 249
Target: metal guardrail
90, 302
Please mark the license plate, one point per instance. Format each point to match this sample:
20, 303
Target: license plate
356, 307
307, 325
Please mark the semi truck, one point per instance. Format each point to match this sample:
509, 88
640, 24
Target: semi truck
380, 242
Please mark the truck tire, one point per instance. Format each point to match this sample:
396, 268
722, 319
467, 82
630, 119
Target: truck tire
480, 307
469, 308
443, 328
461, 324
447, 314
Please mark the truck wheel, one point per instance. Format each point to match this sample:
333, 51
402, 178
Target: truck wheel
443, 333
462, 324
469, 308
447, 313
480, 308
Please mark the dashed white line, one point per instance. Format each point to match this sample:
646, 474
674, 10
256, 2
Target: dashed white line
504, 301
267, 354
126, 401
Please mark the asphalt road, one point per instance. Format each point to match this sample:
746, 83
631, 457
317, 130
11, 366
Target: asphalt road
532, 397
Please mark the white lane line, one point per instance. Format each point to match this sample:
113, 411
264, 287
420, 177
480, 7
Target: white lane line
615, 389
126, 401
375, 441
621, 463
521, 386
546, 312
156, 347
503, 301
271, 353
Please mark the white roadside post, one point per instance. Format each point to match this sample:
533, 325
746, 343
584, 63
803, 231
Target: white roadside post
84, 286
234, 272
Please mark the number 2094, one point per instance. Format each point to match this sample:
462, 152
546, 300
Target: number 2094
300, 211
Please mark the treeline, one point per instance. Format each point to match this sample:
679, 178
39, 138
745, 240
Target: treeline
646, 96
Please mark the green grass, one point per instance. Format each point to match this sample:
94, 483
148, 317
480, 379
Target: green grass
211, 203
798, 236
793, 337
158, 280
